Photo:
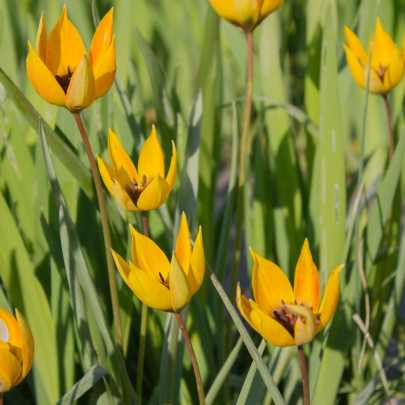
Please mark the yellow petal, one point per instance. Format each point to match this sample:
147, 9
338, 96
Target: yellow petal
10, 371
150, 291
105, 74
101, 40
107, 173
330, 299
306, 281
224, 9
270, 284
171, 176
305, 327
121, 162
151, 160
147, 256
395, 71
9, 329
122, 197
354, 44
154, 195
268, 7
82, 87
183, 244
42, 39
270, 329
382, 48
247, 12
28, 347
355, 67
376, 85
197, 267
244, 305
43, 81
65, 47
180, 291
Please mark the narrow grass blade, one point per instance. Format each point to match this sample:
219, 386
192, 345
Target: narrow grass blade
209, 79
83, 385
250, 376
223, 373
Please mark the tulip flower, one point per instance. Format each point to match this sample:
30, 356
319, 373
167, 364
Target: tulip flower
158, 283
245, 14
387, 62
60, 70
16, 350
142, 190
285, 317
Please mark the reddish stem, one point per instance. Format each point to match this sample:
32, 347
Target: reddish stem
304, 372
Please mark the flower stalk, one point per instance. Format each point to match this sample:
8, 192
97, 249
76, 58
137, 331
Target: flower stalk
106, 232
197, 374
304, 372
242, 175
144, 324
391, 132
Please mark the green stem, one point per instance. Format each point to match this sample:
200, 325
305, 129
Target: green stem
1, 398
106, 232
391, 132
304, 372
197, 374
144, 325
242, 178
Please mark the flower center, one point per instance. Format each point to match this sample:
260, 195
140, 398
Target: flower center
165, 283
64, 80
288, 318
4, 333
137, 189
381, 71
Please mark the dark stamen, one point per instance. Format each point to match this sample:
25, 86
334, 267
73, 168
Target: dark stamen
64, 80
161, 277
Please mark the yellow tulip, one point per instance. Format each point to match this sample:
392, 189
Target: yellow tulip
16, 350
285, 317
142, 190
60, 70
158, 283
387, 62
245, 14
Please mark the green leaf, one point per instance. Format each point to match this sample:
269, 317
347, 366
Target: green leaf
58, 146
209, 79
83, 385
188, 191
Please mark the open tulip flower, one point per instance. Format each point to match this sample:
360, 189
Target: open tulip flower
285, 317
158, 283
16, 350
245, 14
387, 62
60, 70
142, 190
